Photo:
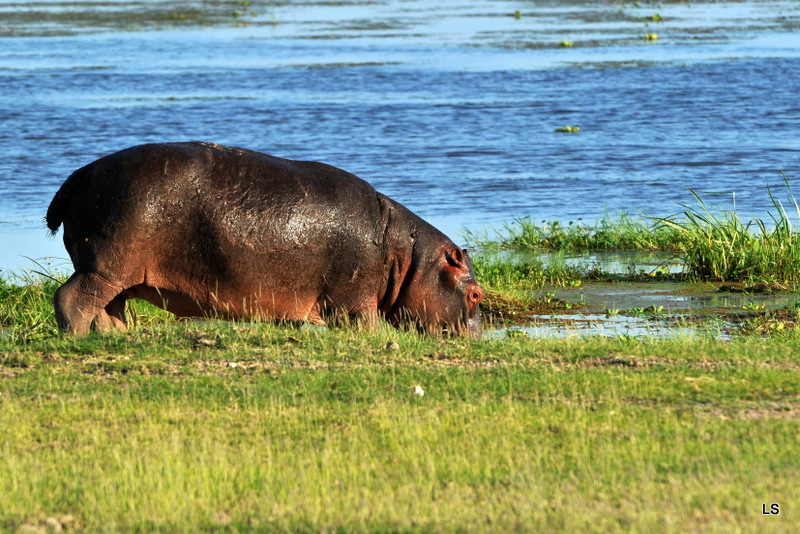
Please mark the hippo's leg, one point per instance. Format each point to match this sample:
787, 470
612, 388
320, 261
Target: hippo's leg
84, 297
112, 316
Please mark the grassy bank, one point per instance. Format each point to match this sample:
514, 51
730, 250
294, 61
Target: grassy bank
226, 427
207, 426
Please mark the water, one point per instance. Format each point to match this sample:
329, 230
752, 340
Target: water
648, 309
447, 106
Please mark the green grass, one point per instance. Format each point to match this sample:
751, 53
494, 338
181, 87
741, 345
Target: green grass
299, 429
611, 233
26, 305
234, 427
712, 246
523, 273
723, 247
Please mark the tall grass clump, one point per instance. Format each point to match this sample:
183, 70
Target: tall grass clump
724, 247
712, 246
26, 305
611, 233
26, 308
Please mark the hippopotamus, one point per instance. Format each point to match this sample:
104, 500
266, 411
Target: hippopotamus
201, 229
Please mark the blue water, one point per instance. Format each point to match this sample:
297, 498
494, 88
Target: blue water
445, 106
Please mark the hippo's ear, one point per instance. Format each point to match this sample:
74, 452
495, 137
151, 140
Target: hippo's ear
455, 258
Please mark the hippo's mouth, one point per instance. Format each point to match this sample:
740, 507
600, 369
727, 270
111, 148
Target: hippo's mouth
471, 328
471, 325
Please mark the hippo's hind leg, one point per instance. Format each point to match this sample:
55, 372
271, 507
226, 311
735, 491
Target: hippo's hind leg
112, 316
88, 299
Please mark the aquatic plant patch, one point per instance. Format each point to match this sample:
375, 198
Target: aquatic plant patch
621, 231
48, 19
724, 247
712, 246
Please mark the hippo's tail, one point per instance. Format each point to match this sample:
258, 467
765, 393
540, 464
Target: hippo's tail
59, 206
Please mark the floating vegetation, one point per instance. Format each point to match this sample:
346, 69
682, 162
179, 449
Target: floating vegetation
85, 16
651, 37
190, 14
568, 129
565, 44
244, 10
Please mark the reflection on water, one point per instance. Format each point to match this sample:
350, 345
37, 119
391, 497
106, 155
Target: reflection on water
579, 325
448, 106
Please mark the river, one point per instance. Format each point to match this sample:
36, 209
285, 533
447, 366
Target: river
448, 106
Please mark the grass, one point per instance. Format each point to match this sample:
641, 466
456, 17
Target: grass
712, 246
178, 426
233, 427
525, 273
26, 305
299, 429
611, 233
723, 247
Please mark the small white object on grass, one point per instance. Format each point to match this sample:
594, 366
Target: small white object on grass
419, 391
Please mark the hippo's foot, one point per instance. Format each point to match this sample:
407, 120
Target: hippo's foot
87, 300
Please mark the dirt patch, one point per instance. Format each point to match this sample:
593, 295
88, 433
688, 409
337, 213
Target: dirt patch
440, 359
638, 362
767, 410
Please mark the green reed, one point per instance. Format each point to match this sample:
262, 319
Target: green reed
722, 246
712, 245
622, 231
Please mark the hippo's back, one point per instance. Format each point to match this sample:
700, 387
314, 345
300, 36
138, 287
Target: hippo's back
179, 176
194, 214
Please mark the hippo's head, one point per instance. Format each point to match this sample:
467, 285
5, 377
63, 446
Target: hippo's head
443, 295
